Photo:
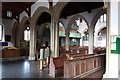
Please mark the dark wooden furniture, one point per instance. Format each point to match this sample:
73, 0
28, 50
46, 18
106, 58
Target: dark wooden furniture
56, 66
8, 53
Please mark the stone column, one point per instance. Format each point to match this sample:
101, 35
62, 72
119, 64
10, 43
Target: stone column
52, 38
91, 40
107, 5
56, 39
19, 36
81, 41
32, 43
70, 42
67, 41
54, 43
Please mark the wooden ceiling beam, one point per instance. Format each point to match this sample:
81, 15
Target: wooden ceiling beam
16, 8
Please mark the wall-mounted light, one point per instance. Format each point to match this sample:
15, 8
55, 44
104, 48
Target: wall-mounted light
9, 14
47, 26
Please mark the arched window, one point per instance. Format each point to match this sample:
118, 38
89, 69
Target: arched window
102, 18
61, 25
105, 18
27, 33
1, 32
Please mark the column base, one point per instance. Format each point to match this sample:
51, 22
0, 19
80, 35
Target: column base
91, 53
31, 57
104, 76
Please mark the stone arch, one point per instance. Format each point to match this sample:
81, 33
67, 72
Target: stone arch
94, 21
60, 6
97, 16
62, 24
100, 29
15, 26
72, 20
22, 26
37, 13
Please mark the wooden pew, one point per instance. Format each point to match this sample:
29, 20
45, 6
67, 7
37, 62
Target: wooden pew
56, 66
71, 56
80, 56
99, 50
82, 67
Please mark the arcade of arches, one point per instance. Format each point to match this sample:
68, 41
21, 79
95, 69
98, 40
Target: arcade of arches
63, 37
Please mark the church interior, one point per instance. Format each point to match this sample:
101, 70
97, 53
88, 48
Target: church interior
54, 39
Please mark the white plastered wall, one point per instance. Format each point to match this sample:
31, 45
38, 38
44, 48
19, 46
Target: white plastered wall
8, 25
119, 36
113, 58
22, 15
112, 66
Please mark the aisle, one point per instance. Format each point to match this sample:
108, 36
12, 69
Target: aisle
22, 69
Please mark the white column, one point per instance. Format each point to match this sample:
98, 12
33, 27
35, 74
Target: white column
32, 43
52, 38
67, 41
106, 75
56, 39
81, 41
112, 61
91, 39
119, 37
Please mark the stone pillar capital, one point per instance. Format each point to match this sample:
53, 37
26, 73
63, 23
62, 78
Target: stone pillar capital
105, 5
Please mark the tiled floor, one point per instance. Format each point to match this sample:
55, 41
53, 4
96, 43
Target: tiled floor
22, 69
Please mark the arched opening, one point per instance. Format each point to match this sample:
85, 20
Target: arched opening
61, 35
46, 37
100, 32
88, 14
43, 30
25, 42
75, 31
80, 7
24, 22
